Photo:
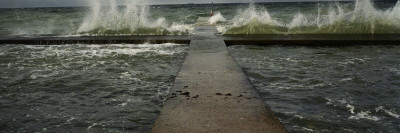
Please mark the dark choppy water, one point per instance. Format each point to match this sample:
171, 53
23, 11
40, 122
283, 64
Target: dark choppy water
120, 88
327, 89
85, 88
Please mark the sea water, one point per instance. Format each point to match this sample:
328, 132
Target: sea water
137, 18
121, 87
85, 88
327, 89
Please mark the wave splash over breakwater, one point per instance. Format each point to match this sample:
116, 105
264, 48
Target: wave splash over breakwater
360, 17
216, 18
133, 19
139, 17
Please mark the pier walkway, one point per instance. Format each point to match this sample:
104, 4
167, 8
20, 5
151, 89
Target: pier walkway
212, 94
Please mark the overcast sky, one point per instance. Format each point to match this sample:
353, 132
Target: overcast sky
68, 3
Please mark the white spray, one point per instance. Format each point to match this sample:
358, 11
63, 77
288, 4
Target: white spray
364, 18
216, 18
107, 18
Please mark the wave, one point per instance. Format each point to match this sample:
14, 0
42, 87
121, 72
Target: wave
337, 19
136, 17
216, 18
131, 20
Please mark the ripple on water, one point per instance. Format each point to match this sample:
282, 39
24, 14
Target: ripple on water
85, 88
327, 89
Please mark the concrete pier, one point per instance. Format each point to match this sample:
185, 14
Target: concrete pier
212, 94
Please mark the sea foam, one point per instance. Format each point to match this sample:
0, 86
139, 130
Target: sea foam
111, 19
216, 18
364, 18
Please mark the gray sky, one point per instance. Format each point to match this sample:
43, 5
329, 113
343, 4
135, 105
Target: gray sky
68, 3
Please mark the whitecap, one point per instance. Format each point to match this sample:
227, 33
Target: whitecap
108, 20
390, 113
216, 18
343, 101
364, 115
346, 79
363, 19
299, 116
34, 47
123, 104
94, 124
351, 108
69, 120
361, 114
307, 129
395, 70
329, 101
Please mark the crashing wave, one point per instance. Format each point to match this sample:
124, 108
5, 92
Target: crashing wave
364, 19
131, 20
216, 18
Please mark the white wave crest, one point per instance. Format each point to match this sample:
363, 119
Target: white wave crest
106, 18
390, 113
216, 18
364, 18
351, 108
364, 115
361, 114
253, 15
104, 51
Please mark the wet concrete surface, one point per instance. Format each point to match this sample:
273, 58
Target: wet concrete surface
212, 94
60, 40
313, 39
267, 39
